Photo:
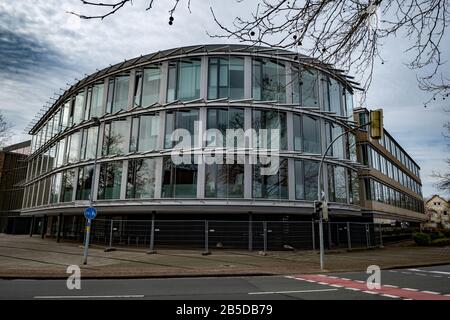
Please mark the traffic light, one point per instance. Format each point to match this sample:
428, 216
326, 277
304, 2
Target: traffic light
325, 211
317, 209
376, 124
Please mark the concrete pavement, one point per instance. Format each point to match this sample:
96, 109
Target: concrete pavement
25, 257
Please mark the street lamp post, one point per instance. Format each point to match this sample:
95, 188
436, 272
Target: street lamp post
91, 195
319, 191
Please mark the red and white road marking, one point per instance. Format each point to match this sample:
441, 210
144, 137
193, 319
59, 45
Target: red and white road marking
385, 290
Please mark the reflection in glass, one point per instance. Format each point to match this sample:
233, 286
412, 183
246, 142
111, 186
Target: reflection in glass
179, 181
68, 183
311, 135
94, 107
84, 183
223, 119
78, 107
114, 139
305, 89
271, 186
55, 190
110, 180
74, 147
141, 178
226, 78
270, 120
180, 119
269, 80
224, 181
145, 133
184, 80
118, 93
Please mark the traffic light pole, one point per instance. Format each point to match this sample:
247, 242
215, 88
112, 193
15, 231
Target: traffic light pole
319, 191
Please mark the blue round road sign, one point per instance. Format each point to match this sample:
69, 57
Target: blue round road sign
90, 213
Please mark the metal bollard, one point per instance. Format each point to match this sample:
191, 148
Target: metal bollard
349, 237
206, 252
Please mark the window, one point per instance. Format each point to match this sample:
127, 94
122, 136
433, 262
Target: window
184, 80
275, 124
68, 183
55, 190
271, 186
118, 93
353, 185
141, 178
60, 158
115, 137
179, 181
66, 115
145, 133
226, 78
74, 147
224, 181
84, 183
269, 80
89, 143
305, 88
180, 119
334, 89
94, 105
306, 134
78, 107
223, 119
110, 180
340, 184
146, 90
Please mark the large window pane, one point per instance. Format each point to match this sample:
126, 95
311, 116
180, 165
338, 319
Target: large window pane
84, 183
89, 144
335, 96
340, 184
305, 88
141, 178
148, 132
118, 93
311, 171
115, 137
68, 184
184, 80
223, 119
269, 80
179, 181
226, 78
224, 181
110, 180
297, 132
74, 147
271, 186
270, 120
180, 119
311, 135
95, 101
55, 190
78, 106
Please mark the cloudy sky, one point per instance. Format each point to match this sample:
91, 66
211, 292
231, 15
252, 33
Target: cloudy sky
43, 49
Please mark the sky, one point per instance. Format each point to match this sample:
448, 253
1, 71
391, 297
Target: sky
43, 50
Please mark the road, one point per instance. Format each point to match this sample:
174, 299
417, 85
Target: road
431, 283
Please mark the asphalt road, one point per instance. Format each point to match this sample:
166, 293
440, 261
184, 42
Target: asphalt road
418, 283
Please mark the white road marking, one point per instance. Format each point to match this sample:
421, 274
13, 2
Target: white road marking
371, 292
431, 292
389, 286
420, 274
294, 291
393, 271
360, 281
90, 297
437, 276
345, 279
354, 289
335, 285
430, 271
390, 296
410, 289
323, 283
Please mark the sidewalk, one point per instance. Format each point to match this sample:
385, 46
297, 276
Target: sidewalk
25, 257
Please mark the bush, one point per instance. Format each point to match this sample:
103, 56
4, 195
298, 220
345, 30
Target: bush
446, 233
422, 239
436, 235
441, 242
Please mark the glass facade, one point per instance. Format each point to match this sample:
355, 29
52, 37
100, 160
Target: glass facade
181, 119
110, 181
141, 179
142, 136
115, 137
118, 88
184, 80
226, 78
224, 181
179, 181
269, 80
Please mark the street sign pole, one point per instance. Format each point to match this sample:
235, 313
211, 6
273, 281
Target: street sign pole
86, 240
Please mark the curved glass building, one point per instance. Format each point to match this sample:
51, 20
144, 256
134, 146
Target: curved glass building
253, 107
